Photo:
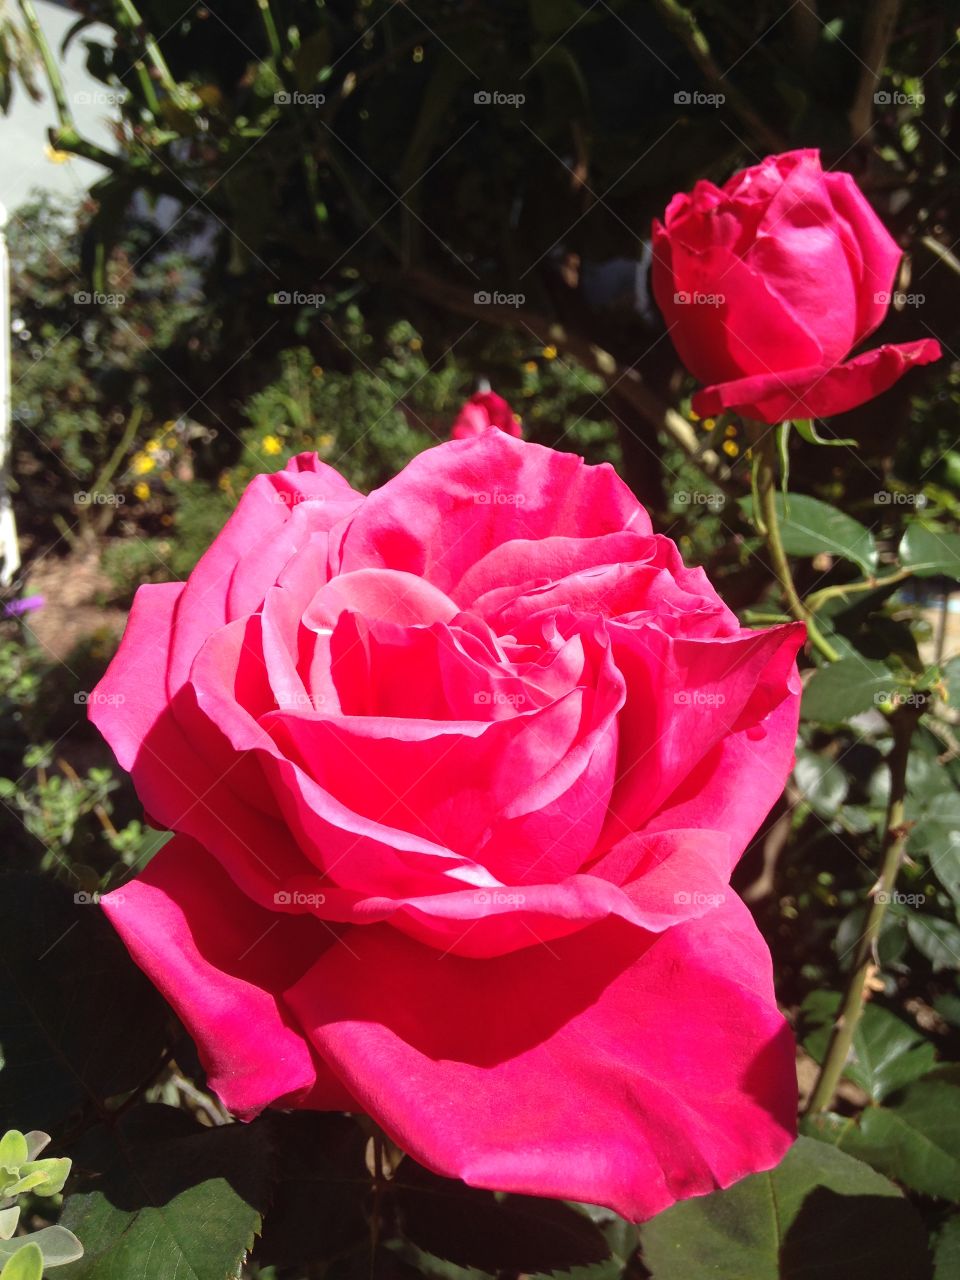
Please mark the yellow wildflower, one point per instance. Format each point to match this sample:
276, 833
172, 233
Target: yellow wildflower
549, 353
730, 449
141, 491
142, 464
271, 445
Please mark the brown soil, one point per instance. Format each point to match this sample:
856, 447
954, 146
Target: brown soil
71, 585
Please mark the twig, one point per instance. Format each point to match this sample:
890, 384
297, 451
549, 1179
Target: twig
840, 591
879, 26
685, 25
942, 252
903, 721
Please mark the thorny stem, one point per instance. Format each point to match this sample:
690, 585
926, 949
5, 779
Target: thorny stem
903, 722
767, 495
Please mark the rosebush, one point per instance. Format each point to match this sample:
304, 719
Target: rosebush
458, 773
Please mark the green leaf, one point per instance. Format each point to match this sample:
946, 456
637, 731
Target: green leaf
26, 1264
951, 679
318, 1206
57, 1245
937, 835
62, 967
311, 58
813, 527
947, 1251
162, 1196
938, 940
13, 1150
930, 552
887, 1052
821, 780
846, 689
8, 1221
46, 1176
812, 1216
807, 430
914, 1137
493, 1232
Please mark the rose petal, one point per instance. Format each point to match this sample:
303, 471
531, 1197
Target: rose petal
817, 392
600, 1068
182, 766
746, 327
800, 256
685, 698
878, 254
223, 965
275, 517
454, 503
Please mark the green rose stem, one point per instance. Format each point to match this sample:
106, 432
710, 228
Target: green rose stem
379, 1182
903, 722
764, 441
819, 598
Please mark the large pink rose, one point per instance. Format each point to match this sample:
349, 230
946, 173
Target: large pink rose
458, 773
768, 282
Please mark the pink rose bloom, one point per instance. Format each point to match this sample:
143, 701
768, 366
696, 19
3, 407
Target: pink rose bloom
483, 411
458, 774
768, 282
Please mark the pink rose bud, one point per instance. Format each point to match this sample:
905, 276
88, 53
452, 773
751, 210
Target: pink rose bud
767, 284
483, 411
